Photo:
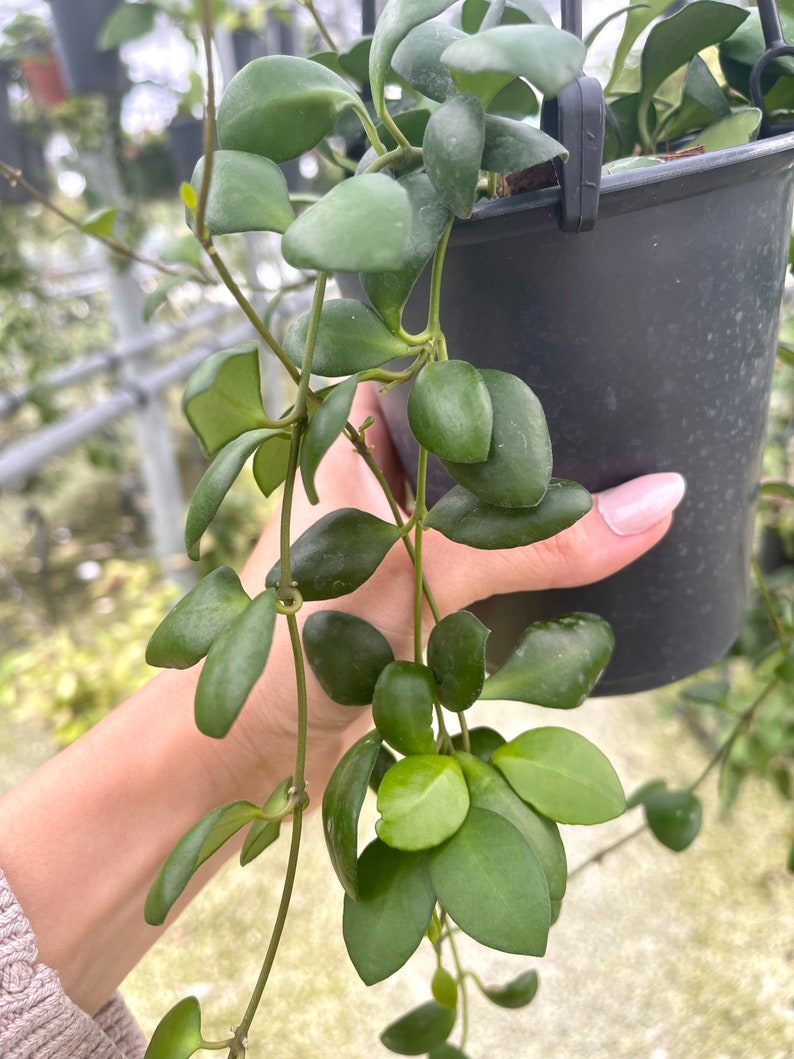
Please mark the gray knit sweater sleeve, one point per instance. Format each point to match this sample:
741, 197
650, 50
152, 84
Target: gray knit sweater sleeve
37, 1019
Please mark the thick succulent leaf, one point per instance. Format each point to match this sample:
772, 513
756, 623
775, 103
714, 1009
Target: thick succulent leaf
515, 100
270, 463
361, 225
281, 106
549, 58
423, 800
640, 16
466, 519
198, 844
702, 101
511, 146
325, 427
402, 707
740, 127
456, 656
223, 396
482, 742
351, 338
489, 790
338, 553
421, 1030
430, 215
516, 12
490, 882
342, 803
399, 17
247, 193
444, 988
234, 663
178, 1034
452, 147
446, 1051
263, 833
517, 470
674, 817
354, 59
346, 654
555, 663
384, 926
516, 994
216, 483
185, 635
418, 59
563, 775
450, 412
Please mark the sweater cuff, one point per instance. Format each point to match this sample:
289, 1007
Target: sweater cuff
37, 1019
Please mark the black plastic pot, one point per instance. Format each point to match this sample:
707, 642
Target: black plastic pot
650, 341
186, 145
77, 25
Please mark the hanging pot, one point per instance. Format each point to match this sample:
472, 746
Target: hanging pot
77, 26
186, 144
43, 76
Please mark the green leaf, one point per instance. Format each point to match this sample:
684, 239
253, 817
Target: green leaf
185, 635
643, 792
466, 519
555, 663
402, 707
354, 60
563, 775
674, 817
444, 989
420, 1030
270, 463
516, 994
124, 23
547, 57
511, 146
281, 106
702, 102
100, 223
263, 833
517, 470
223, 397
342, 803
247, 193
188, 196
361, 225
423, 799
388, 291
418, 59
198, 844
325, 427
216, 483
456, 656
395, 23
641, 14
489, 790
516, 13
446, 1051
346, 654
338, 553
159, 296
741, 127
386, 925
491, 883
450, 413
482, 742
235, 661
351, 338
186, 250
178, 1034
596, 31
740, 52
516, 100
452, 149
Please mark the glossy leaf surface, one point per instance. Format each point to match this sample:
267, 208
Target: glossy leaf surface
338, 553
185, 635
450, 412
234, 663
511, 146
222, 398
199, 843
263, 833
178, 1034
562, 775
555, 663
482, 742
456, 656
452, 148
281, 106
395, 23
674, 817
516, 994
247, 193
326, 425
491, 883
360, 225
346, 654
388, 291
351, 337
740, 127
517, 470
418, 59
466, 519
342, 803
702, 101
423, 799
420, 1030
269, 466
402, 707
385, 926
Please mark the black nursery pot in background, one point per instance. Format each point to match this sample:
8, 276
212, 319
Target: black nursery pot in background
77, 25
650, 342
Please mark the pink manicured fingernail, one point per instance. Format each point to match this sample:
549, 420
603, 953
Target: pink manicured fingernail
639, 504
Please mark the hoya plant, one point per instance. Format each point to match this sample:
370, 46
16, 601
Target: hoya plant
467, 838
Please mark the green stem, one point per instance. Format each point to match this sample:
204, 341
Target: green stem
420, 511
769, 604
372, 133
209, 119
464, 998
434, 312
464, 733
320, 24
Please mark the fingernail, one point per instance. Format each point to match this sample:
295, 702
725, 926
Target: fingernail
639, 504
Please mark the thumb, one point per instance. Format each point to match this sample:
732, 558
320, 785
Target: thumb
623, 524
